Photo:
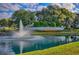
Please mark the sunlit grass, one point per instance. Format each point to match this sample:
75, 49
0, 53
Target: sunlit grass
63, 32
66, 49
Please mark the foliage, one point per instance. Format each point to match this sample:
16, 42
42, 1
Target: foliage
75, 23
40, 23
46, 24
27, 17
6, 22
55, 14
52, 16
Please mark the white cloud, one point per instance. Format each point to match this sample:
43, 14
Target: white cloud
13, 7
4, 7
8, 6
32, 7
5, 15
76, 10
69, 6
39, 8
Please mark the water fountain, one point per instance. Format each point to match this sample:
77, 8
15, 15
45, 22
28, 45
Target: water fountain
23, 39
21, 35
21, 32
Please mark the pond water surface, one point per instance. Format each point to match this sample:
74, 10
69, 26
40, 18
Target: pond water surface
16, 47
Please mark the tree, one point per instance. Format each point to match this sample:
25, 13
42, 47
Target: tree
76, 22
6, 22
49, 14
67, 18
27, 17
40, 24
67, 23
61, 15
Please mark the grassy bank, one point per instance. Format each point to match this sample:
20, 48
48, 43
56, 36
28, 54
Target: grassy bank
59, 33
66, 49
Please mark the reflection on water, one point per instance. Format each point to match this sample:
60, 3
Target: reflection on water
17, 46
5, 49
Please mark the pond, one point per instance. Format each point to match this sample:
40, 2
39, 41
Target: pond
18, 46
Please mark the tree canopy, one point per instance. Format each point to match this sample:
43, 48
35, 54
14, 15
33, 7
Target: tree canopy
27, 17
53, 16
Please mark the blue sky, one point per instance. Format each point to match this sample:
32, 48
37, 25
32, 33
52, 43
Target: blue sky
7, 9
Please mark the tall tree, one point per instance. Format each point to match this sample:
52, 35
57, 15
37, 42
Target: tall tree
26, 16
67, 17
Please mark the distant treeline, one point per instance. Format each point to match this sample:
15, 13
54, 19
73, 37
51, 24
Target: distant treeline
52, 16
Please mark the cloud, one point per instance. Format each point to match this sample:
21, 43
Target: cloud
5, 15
6, 9
9, 7
69, 6
76, 10
39, 8
33, 6
18, 6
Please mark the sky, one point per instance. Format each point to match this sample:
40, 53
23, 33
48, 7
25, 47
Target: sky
7, 9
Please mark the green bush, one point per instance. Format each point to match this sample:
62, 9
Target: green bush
40, 24
53, 24
45, 23
58, 24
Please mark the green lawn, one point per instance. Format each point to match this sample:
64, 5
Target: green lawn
66, 49
59, 33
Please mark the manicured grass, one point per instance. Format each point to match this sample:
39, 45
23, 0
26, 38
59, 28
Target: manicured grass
59, 33
66, 49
